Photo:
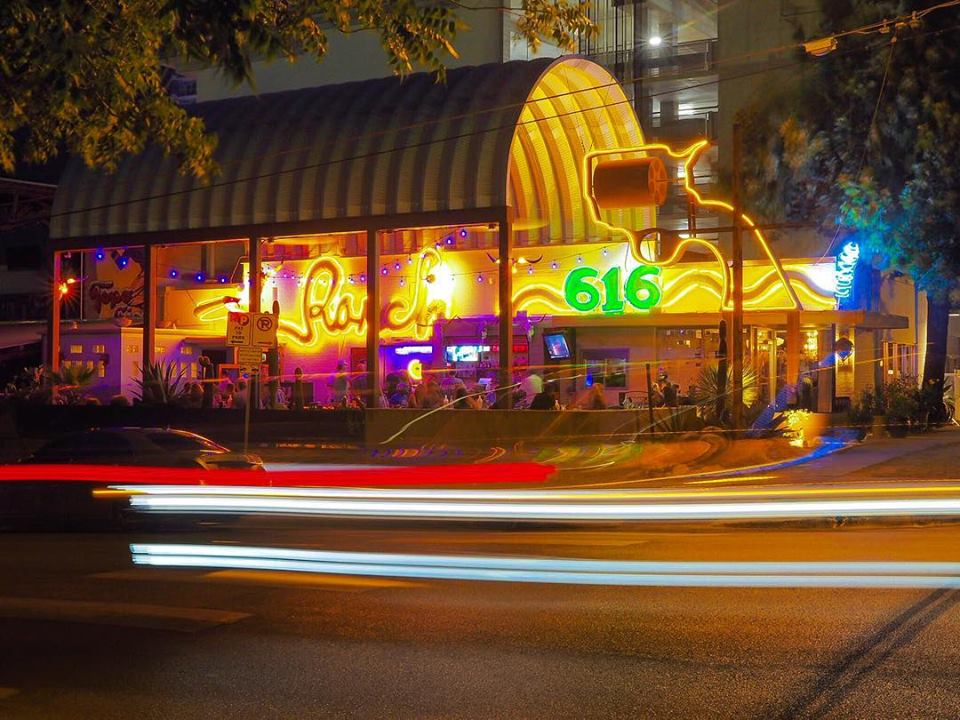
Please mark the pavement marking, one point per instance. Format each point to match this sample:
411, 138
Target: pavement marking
138, 615
7, 692
341, 583
332, 583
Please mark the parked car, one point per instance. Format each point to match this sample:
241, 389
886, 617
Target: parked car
156, 447
62, 504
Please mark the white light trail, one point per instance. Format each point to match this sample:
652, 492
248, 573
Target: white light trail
554, 570
373, 505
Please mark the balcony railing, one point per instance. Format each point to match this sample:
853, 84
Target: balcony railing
690, 58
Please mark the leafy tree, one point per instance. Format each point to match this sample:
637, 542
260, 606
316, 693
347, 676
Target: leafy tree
87, 75
868, 139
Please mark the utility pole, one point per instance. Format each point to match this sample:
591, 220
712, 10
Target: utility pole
737, 349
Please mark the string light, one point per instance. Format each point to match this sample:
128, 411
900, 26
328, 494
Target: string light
554, 265
397, 265
100, 254
174, 274
605, 252
579, 259
463, 232
351, 280
363, 277
222, 279
403, 281
530, 270
384, 271
480, 278
199, 277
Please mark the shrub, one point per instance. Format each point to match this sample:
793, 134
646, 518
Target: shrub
160, 384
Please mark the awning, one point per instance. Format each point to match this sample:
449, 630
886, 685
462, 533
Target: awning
494, 136
18, 334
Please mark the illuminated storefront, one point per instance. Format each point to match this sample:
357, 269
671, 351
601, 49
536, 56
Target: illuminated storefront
390, 223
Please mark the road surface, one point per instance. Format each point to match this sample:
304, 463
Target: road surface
87, 634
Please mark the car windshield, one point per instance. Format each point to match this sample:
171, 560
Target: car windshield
179, 442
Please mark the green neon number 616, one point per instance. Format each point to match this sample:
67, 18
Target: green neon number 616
639, 290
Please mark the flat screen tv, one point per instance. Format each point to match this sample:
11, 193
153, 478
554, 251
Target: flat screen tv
558, 348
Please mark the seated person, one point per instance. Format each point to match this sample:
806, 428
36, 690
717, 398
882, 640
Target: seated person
546, 399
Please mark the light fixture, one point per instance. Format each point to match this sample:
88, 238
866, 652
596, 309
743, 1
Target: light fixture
655, 41
821, 47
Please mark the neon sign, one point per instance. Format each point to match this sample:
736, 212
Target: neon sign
328, 307
639, 290
690, 156
846, 265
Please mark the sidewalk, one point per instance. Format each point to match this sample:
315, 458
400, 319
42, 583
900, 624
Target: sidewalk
933, 456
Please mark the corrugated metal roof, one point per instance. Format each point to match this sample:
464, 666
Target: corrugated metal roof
377, 147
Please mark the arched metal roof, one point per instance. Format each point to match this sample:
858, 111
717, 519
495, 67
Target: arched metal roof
491, 136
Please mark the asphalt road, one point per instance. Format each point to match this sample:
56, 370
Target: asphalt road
86, 634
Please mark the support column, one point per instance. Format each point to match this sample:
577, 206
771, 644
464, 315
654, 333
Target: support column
52, 358
736, 350
825, 370
149, 338
505, 228
373, 319
254, 290
793, 354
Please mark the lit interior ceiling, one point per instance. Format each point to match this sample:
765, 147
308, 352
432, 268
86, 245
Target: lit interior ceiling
575, 107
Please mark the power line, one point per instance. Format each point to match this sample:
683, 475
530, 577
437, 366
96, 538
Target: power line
430, 141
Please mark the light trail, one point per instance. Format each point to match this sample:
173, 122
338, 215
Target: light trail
528, 473
538, 505
555, 570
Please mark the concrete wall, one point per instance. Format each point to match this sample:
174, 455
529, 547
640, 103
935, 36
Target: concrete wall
354, 57
749, 33
506, 426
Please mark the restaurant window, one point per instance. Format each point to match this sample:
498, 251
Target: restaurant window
76, 349
607, 366
99, 348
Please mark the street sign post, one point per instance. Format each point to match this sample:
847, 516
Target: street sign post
264, 330
251, 333
249, 359
239, 329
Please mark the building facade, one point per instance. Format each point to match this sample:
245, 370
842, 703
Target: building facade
502, 222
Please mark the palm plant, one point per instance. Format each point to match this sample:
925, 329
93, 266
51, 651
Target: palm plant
710, 385
69, 381
161, 383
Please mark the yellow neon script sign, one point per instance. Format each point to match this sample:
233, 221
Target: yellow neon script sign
328, 309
